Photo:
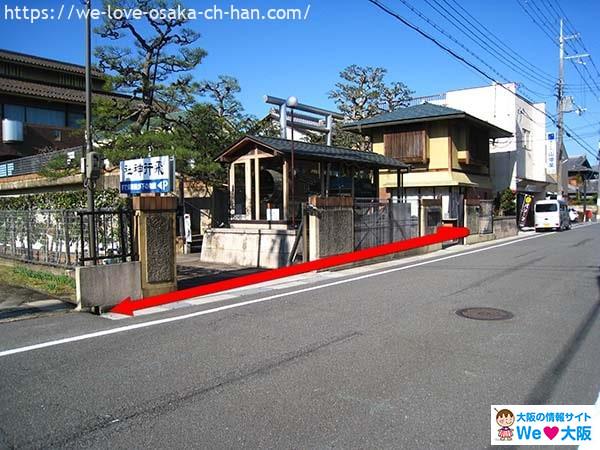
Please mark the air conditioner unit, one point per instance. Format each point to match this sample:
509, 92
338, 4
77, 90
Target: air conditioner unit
12, 131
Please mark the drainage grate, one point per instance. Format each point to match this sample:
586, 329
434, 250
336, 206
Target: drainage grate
484, 314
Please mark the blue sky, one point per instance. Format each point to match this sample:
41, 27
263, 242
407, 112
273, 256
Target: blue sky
304, 58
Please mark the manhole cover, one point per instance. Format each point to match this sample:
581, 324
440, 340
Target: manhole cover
484, 314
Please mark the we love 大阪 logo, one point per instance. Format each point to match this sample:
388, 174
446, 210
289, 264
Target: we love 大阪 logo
545, 425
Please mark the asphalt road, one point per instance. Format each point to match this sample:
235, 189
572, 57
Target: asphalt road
378, 362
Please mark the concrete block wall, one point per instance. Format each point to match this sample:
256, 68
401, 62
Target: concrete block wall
107, 285
247, 247
505, 226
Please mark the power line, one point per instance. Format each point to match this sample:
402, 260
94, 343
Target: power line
447, 49
489, 35
547, 20
540, 26
571, 43
482, 39
453, 39
580, 39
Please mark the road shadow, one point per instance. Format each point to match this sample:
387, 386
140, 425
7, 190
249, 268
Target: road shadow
192, 276
545, 386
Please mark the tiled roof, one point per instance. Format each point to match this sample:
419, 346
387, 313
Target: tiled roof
321, 152
38, 90
422, 113
22, 58
577, 164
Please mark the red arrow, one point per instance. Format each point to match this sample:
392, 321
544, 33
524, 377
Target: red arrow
128, 306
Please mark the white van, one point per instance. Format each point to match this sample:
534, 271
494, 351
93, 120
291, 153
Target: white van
551, 215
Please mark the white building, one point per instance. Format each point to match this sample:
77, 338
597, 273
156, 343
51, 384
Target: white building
518, 162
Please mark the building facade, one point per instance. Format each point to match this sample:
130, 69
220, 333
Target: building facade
42, 104
447, 149
518, 162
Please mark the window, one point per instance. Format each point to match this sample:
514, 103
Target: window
38, 116
546, 207
14, 112
479, 145
407, 146
42, 116
75, 119
526, 138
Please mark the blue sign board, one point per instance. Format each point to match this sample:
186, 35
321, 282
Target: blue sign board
155, 175
146, 187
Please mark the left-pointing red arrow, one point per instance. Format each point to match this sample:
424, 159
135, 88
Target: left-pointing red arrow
129, 306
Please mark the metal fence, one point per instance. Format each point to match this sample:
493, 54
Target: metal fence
61, 237
378, 222
35, 163
114, 236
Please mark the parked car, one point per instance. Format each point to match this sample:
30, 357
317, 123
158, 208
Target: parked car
573, 215
551, 215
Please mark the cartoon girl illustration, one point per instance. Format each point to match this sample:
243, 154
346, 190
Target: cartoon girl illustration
505, 418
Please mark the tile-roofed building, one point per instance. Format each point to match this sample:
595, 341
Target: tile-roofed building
262, 186
577, 164
319, 152
23, 59
582, 176
425, 112
449, 151
42, 103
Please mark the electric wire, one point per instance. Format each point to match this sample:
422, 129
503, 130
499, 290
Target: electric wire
457, 56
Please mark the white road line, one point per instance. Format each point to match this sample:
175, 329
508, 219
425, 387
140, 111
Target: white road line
152, 323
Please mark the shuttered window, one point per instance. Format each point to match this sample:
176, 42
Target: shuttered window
407, 146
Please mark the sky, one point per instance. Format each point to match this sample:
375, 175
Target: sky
304, 57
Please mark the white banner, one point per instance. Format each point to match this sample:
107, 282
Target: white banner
551, 154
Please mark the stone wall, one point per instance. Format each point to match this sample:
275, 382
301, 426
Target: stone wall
334, 230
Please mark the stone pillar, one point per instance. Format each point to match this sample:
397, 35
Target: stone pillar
155, 239
331, 226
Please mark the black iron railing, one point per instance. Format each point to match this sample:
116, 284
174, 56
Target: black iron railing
114, 236
61, 237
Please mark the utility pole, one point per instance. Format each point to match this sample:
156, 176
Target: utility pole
559, 109
560, 104
89, 181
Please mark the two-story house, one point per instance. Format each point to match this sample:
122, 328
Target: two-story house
519, 162
448, 149
42, 104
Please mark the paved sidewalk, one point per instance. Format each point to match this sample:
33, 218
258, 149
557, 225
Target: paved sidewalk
17, 303
193, 272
